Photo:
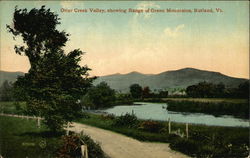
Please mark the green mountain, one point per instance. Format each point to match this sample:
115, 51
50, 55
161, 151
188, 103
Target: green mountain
168, 80
165, 80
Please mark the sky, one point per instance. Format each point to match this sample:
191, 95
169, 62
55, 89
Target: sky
149, 43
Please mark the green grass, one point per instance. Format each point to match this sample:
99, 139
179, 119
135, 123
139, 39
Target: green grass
12, 107
20, 138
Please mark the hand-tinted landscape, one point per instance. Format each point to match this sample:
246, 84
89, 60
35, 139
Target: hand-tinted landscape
127, 79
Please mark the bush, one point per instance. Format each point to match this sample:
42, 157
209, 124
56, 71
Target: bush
127, 120
71, 147
151, 126
108, 116
187, 146
94, 149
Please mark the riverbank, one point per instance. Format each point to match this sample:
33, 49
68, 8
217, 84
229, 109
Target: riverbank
203, 141
236, 108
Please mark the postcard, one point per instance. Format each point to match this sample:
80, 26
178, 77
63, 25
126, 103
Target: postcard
124, 79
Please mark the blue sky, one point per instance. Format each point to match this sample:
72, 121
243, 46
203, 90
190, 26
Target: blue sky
145, 42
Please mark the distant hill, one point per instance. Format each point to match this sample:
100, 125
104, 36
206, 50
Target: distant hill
165, 80
9, 76
168, 80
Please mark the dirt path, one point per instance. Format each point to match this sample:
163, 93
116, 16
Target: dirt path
119, 146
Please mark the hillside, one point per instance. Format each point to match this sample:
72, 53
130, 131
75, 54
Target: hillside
165, 80
9, 76
168, 80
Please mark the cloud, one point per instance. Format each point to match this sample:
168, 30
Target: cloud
144, 6
175, 32
70, 4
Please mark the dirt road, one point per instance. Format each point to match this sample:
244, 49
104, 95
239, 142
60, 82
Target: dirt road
119, 146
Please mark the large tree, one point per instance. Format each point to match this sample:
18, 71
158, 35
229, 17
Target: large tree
99, 96
135, 91
55, 80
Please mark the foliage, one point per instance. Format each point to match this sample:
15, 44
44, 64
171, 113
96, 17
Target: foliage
243, 90
146, 92
151, 126
215, 108
55, 80
127, 120
108, 116
210, 90
186, 146
6, 91
94, 149
205, 89
136, 91
123, 99
71, 147
99, 96
210, 141
213, 144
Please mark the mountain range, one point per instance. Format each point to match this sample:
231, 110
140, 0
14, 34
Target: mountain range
166, 80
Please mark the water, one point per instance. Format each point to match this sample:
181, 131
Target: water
157, 111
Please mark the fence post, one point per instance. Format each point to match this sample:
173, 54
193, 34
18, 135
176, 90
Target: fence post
67, 132
187, 130
84, 151
169, 126
87, 156
81, 133
38, 122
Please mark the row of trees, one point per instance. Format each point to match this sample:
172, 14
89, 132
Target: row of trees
138, 92
210, 90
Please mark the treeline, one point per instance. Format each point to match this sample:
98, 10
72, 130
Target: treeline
210, 90
102, 96
240, 110
138, 92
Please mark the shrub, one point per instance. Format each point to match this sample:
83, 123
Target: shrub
151, 126
127, 120
108, 116
94, 148
71, 147
187, 146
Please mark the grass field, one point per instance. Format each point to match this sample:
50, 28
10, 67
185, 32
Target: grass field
20, 138
12, 107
